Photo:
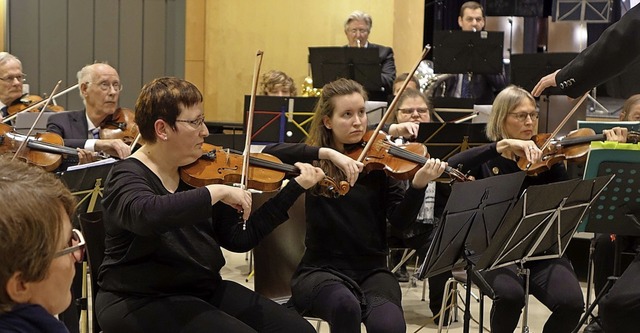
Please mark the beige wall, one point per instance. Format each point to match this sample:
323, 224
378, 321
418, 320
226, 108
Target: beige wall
223, 36
3, 21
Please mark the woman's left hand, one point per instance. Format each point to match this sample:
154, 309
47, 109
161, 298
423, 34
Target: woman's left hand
431, 170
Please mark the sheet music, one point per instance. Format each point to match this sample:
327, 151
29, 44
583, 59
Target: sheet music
92, 164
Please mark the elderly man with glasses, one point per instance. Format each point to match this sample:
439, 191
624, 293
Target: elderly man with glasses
100, 88
11, 79
357, 28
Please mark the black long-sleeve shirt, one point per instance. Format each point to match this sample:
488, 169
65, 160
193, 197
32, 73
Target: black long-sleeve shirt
349, 232
160, 243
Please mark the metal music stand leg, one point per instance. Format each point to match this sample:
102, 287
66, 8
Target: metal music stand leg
525, 272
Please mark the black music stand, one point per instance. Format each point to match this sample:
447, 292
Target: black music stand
444, 140
359, 64
616, 210
87, 185
460, 52
540, 226
280, 119
471, 216
528, 69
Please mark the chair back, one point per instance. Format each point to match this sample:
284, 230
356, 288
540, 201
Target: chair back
94, 234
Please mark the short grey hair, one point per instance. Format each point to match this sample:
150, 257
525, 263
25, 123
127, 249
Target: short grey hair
359, 15
85, 74
6, 56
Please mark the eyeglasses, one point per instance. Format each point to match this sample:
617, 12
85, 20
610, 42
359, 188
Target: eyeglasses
105, 86
356, 31
522, 116
11, 78
196, 123
76, 246
410, 111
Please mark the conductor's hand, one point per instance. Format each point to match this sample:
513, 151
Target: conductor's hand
544, 83
85, 156
348, 165
618, 134
232, 196
522, 148
406, 130
309, 175
113, 147
429, 171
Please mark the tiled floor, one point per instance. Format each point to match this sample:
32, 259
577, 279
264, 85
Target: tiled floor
417, 313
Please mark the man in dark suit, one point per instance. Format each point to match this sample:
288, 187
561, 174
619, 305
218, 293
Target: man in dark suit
483, 88
100, 88
357, 28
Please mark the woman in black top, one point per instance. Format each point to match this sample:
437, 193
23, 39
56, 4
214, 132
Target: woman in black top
512, 123
161, 271
343, 276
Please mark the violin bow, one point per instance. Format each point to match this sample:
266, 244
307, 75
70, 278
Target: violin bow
244, 180
564, 121
40, 103
392, 106
46, 102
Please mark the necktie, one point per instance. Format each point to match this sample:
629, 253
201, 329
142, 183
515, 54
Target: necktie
95, 133
465, 91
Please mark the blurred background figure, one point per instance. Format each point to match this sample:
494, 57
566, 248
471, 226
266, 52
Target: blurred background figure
277, 83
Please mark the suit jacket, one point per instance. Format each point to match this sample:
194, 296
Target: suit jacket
71, 126
388, 66
484, 88
615, 50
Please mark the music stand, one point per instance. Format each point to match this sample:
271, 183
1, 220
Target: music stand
280, 119
470, 218
460, 52
540, 226
87, 185
444, 140
617, 209
359, 64
528, 69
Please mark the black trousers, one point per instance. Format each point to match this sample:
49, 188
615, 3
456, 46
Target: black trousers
620, 308
552, 281
231, 308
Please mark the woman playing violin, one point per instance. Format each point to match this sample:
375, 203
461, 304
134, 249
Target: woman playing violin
513, 121
161, 272
343, 276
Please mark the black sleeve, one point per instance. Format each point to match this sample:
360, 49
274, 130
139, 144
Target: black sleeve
57, 124
388, 70
617, 48
293, 152
472, 159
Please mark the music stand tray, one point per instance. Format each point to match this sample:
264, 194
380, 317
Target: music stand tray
444, 140
359, 64
87, 185
617, 209
470, 218
459, 52
528, 69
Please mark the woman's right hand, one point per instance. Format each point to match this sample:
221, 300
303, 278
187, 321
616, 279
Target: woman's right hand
232, 196
348, 165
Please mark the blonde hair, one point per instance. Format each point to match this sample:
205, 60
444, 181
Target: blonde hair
506, 101
273, 78
628, 105
30, 223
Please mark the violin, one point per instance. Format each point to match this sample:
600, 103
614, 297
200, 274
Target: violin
265, 173
573, 147
27, 102
398, 161
43, 149
120, 125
